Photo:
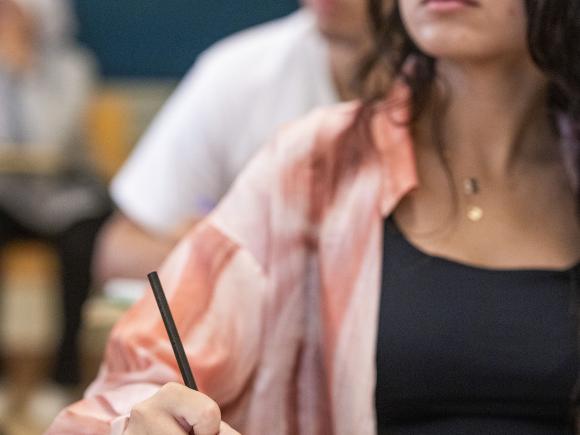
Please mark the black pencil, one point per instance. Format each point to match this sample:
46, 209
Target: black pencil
171, 331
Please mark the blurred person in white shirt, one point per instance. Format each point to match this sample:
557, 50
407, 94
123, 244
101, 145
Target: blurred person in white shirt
238, 93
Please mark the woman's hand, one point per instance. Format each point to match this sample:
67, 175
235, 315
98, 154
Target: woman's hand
177, 410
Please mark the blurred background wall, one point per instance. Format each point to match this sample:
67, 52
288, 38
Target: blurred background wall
161, 38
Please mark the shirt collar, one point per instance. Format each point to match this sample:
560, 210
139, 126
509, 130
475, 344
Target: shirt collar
391, 136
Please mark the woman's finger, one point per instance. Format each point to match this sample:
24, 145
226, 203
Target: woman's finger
225, 429
176, 409
145, 421
200, 412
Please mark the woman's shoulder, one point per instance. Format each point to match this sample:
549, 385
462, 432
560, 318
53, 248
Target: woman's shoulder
319, 129
335, 128
323, 153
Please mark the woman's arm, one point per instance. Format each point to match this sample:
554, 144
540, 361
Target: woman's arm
216, 285
125, 249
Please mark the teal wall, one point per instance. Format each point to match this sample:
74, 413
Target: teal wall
161, 38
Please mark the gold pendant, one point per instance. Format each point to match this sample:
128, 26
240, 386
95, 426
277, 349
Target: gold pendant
471, 186
474, 213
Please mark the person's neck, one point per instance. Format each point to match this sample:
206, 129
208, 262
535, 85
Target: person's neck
344, 62
495, 117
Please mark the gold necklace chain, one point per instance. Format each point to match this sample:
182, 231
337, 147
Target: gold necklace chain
471, 188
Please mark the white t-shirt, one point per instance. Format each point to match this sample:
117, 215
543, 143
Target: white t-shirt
239, 92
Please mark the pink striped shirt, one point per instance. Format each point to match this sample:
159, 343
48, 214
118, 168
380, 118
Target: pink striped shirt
276, 293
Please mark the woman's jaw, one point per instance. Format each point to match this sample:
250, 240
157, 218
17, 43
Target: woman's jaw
467, 30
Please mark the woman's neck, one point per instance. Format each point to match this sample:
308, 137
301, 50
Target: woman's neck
491, 118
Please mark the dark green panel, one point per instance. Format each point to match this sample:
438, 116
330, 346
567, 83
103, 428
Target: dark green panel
161, 38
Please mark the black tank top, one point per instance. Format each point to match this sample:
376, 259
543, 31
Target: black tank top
469, 350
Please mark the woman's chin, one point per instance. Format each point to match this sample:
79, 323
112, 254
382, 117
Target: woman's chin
457, 49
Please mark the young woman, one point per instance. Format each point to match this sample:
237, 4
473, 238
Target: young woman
404, 266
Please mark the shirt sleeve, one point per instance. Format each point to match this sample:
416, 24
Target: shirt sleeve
216, 285
177, 171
